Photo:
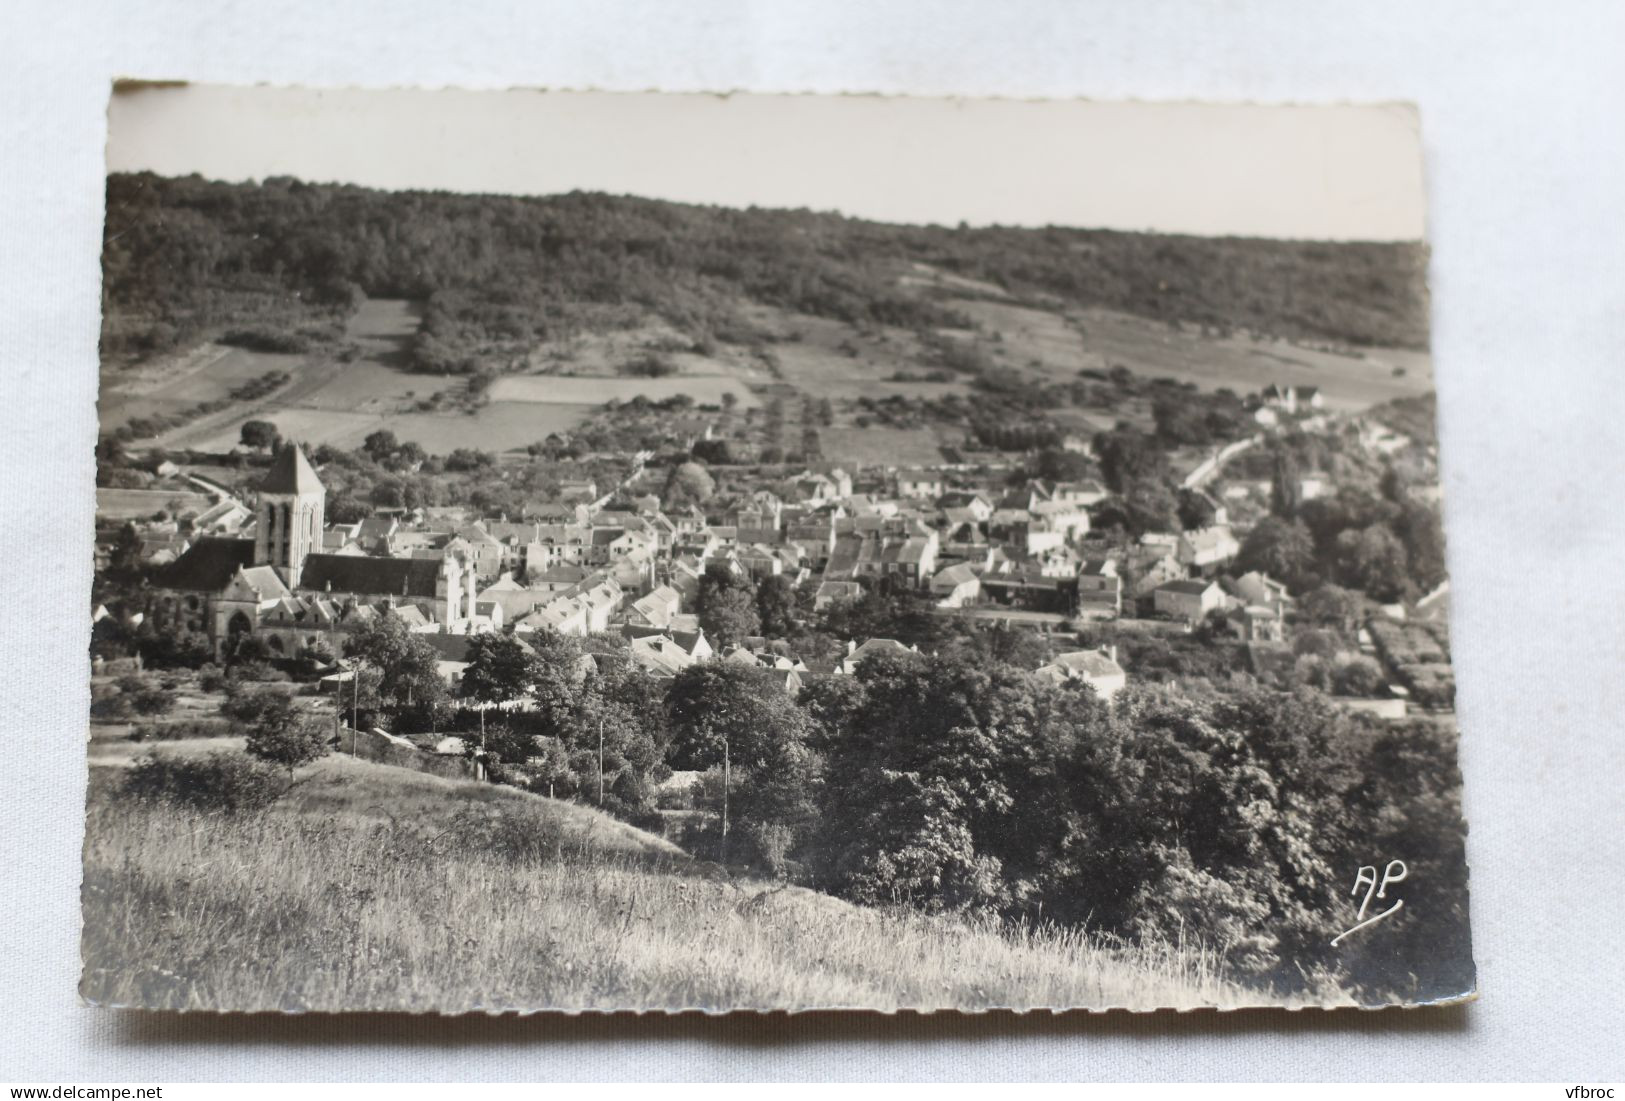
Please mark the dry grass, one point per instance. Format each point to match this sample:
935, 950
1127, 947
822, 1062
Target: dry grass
381, 889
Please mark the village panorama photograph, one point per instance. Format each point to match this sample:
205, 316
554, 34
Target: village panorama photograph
641, 552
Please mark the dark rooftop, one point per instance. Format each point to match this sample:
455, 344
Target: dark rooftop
207, 566
291, 472
368, 576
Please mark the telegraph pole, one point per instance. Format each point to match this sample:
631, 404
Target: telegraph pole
600, 760
726, 768
355, 704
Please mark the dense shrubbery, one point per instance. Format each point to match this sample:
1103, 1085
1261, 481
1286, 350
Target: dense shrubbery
962, 785
225, 781
1190, 417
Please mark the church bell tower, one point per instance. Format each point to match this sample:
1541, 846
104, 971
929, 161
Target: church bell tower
288, 520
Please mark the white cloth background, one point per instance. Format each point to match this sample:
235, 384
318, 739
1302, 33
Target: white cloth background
1522, 109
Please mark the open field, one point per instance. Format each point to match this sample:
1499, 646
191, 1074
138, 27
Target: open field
881, 446
1056, 347
171, 383
130, 504
1040, 341
1349, 383
494, 426
577, 390
333, 402
603, 354
369, 887
824, 358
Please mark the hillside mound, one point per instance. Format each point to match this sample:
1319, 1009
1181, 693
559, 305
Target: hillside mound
374, 888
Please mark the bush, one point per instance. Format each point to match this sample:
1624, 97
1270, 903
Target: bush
649, 365
261, 671
249, 705
225, 782
522, 835
1359, 676
153, 701
110, 707
282, 736
267, 340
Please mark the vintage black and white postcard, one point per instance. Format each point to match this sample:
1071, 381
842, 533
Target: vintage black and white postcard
565, 551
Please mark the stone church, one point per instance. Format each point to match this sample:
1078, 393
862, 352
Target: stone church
281, 587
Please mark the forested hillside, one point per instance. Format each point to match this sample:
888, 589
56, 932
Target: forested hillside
276, 265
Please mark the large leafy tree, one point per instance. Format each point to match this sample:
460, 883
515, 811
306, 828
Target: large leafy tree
124, 560
618, 727
1282, 548
718, 704
500, 669
726, 605
1374, 560
1420, 528
689, 484
776, 607
260, 434
408, 667
1332, 606
721, 714
928, 728
1128, 456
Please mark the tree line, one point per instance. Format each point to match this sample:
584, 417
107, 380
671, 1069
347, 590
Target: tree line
275, 264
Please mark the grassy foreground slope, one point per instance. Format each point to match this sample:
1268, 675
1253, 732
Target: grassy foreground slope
370, 887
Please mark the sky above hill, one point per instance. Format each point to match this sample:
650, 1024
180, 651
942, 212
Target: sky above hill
1333, 172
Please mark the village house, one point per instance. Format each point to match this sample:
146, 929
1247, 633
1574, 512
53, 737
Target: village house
1292, 399
1023, 584
1065, 517
856, 654
1100, 588
1204, 548
1190, 599
975, 507
919, 483
830, 593
225, 517
956, 586
1152, 569
659, 655
1085, 494
1257, 623
1096, 668
514, 598
1260, 588
655, 609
